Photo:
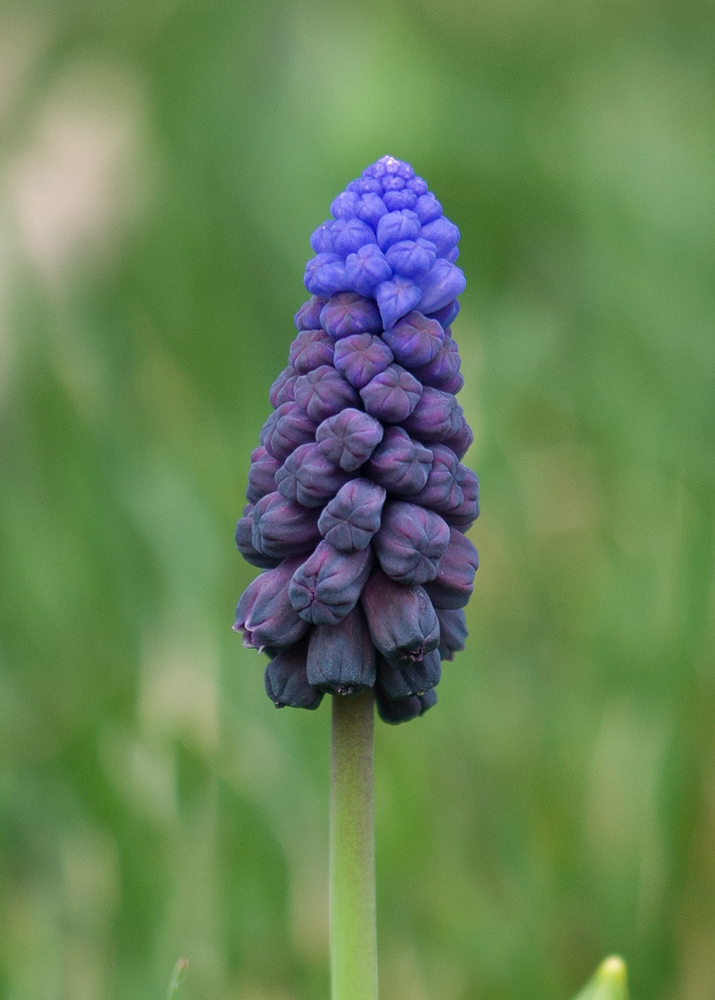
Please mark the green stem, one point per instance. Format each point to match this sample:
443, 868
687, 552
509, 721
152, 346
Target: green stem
353, 939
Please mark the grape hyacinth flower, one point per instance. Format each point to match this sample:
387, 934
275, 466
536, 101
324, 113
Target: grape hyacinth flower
358, 501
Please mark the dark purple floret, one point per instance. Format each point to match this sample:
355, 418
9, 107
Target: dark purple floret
309, 477
353, 516
349, 438
350, 313
400, 464
411, 542
358, 501
360, 357
392, 395
327, 586
341, 658
323, 392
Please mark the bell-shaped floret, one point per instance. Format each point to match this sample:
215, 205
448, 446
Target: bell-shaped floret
244, 542
367, 269
454, 583
427, 208
286, 428
341, 658
327, 586
308, 316
353, 516
452, 631
395, 298
442, 372
436, 416
309, 477
464, 514
440, 285
415, 340
310, 350
397, 710
282, 389
400, 464
402, 622
443, 233
261, 475
413, 679
323, 392
284, 528
360, 357
349, 438
286, 679
411, 542
442, 491
392, 395
347, 314
265, 613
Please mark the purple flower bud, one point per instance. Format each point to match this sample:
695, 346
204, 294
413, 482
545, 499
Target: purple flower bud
411, 258
392, 395
350, 313
308, 316
443, 233
402, 622
442, 372
463, 515
427, 208
396, 226
327, 586
461, 441
417, 185
286, 679
349, 438
323, 392
261, 475
393, 182
320, 240
397, 200
360, 357
286, 428
348, 235
395, 298
440, 285
410, 542
370, 209
353, 516
397, 710
413, 679
310, 350
341, 658
325, 275
309, 477
282, 390
343, 207
436, 417
442, 491
283, 528
415, 340
447, 314
453, 585
366, 269
265, 613
452, 631
400, 464
244, 542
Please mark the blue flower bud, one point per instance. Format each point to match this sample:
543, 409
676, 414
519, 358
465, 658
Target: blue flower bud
397, 200
308, 316
452, 631
310, 350
442, 372
323, 392
447, 314
320, 240
396, 226
400, 464
415, 678
395, 298
244, 542
283, 528
343, 207
397, 710
349, 313
360, 357
411, 542
440, 285
427, 208
353, 516
402, 621
348, 235
261, 475
341, 658
349, 438
327, 586
415, 340
309, 477
286, 428
392, 395
325, 275
286, 679
436, 417
411, 258
282, 390
453, 585
442, 233
417, 185
366, 269
371, 208
265, 613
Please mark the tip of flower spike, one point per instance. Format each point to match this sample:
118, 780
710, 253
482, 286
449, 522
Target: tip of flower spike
609, 982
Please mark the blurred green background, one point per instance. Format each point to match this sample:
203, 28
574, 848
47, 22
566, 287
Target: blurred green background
162, 164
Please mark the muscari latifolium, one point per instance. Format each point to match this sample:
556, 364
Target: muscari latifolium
358, 508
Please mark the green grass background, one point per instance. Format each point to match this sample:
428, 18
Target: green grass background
162, 164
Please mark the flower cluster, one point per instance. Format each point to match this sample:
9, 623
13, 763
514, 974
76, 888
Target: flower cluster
357, 498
